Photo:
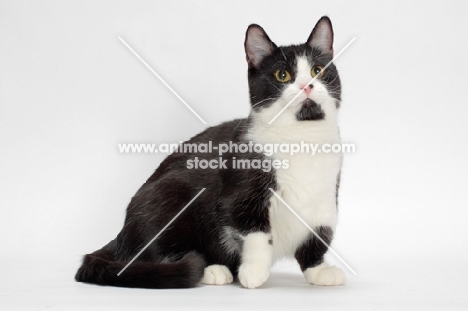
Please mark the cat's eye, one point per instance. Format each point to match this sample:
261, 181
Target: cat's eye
282, 76
317, 72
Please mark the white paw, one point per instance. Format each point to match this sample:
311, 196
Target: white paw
253, 275
217, 275
323, 274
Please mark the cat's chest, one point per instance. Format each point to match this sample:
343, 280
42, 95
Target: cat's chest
308, 186
308, 181
307, 170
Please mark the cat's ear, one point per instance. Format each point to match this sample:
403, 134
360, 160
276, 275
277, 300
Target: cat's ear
257, 45
322, 36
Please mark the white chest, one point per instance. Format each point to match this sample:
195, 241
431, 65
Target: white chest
308, 186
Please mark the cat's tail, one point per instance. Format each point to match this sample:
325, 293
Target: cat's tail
100, 268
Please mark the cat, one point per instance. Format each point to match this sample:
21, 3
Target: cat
236, 228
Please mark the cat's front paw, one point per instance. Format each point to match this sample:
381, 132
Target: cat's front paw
253, 275
323, 274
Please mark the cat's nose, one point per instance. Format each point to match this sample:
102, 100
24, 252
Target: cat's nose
307, 88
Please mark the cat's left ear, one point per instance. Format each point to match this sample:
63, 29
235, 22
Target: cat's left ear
257, 45
322, 36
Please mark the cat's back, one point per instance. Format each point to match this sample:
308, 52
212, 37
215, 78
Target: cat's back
203, 146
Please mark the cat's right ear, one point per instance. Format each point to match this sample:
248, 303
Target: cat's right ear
257, 45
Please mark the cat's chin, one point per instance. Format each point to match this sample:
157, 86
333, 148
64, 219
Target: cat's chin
299, 103
308, 101
310, 111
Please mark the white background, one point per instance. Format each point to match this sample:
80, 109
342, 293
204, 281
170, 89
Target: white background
70, 91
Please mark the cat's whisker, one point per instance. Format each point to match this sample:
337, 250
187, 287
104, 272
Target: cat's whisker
333, 80
282, 52
264, 100
276, 87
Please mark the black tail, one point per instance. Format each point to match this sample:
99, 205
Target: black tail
100, 268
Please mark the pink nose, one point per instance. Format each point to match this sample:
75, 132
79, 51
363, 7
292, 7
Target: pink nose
307, 89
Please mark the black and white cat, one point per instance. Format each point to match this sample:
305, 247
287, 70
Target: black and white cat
237, 227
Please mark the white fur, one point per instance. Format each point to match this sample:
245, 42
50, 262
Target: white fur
217, 275
257, 257
323, 274
287, 120
303, 72
309, 184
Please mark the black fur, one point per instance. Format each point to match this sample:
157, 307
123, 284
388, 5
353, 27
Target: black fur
310, 111
237, 199
265, 89
102, 268
233, 198
311, 253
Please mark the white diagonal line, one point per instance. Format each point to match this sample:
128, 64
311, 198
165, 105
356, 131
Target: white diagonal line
159, 233
162, 80
311, 81
312, 230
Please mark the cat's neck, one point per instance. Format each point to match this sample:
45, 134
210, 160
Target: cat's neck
287, 129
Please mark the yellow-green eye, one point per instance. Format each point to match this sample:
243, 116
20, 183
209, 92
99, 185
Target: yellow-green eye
317, 72
282, 76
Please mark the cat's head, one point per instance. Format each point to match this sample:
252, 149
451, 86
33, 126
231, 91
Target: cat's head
278, 74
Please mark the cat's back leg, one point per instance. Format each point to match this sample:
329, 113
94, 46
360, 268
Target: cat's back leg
175, 208
217, 275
